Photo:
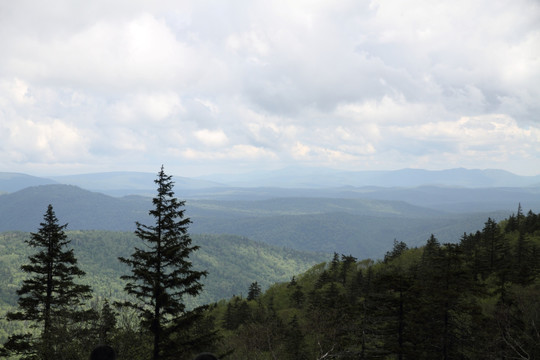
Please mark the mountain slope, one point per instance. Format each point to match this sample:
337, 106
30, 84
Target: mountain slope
81, 209
11, 182
128, 183
364, 236
232, 262
322, 177
452, 199
363, 228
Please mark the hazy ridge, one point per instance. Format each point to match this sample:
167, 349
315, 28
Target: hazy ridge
124, 183
362, 227
306, 208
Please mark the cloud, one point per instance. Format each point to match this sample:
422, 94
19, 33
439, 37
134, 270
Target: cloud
141, 52
50, 140
211, 138
351, 84
241, 152
143, 107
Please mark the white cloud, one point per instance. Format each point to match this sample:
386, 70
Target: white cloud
368, 84
141, 52
15, 92
211, 138
242, 152
49, 140
142, 107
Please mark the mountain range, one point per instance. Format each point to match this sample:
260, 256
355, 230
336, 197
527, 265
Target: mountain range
319, 210
362, 227
302, 177
129, 183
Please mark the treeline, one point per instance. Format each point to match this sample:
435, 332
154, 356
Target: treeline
475, 299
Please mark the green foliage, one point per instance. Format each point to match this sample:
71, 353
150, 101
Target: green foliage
233, 263
475, 299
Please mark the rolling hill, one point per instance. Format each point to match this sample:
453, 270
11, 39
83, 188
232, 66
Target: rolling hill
232, 262
361, 227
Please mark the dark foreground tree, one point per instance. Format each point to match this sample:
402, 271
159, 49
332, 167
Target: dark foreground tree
49, 299
161, 275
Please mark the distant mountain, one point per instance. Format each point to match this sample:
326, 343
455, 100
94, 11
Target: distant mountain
440, 198
10, 182
87, 210
81, 209
128, 183
361, 227
322, 177
452, 199
220, 186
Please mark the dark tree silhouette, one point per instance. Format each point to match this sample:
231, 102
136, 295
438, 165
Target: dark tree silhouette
254, 291
161, 275
49, 298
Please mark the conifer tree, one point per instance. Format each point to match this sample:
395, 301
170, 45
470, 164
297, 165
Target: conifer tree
49, 298
346, 263
296, 296
493, 242
254, 291
294, 341
106, 323
161, 275
399, 248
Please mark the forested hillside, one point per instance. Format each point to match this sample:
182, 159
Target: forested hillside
476, 299
362, 227
232, 263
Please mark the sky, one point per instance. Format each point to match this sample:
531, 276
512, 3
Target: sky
206, 87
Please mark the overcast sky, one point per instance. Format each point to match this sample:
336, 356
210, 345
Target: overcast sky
231, 86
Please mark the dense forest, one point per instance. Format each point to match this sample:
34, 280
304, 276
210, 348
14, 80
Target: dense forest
474, 299
233, 262
478, 298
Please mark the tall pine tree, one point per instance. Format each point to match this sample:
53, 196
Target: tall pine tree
161, 275
49, 298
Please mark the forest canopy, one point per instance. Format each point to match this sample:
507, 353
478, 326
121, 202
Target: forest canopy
476, 298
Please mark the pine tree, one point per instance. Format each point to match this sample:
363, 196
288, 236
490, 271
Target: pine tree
229, 322
254, 291
49, 298
399, 248
346, 263
297, 295
393, 302
492, 243
523, 264
294, 341
161, 275
106, 323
